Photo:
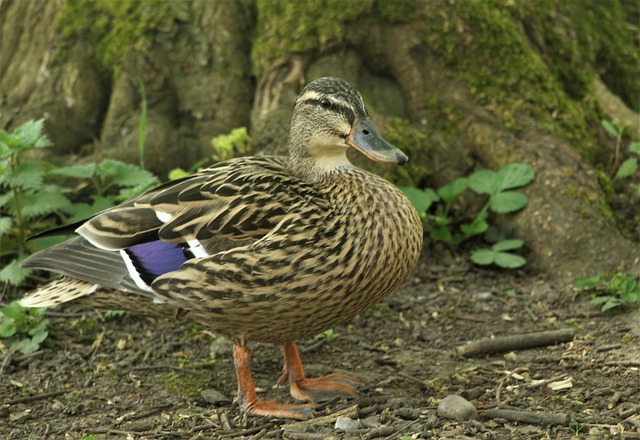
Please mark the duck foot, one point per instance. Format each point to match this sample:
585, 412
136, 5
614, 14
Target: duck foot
280, 410
248, 399
314, 390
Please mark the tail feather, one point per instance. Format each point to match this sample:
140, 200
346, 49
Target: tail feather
58, 291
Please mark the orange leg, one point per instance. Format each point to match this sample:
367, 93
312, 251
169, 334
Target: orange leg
247, 398
314, 390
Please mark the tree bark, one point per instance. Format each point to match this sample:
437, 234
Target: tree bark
478, 84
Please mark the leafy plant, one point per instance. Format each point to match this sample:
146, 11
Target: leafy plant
36, 195
327, 335
630, 165
434, 207
23, 329
611, 292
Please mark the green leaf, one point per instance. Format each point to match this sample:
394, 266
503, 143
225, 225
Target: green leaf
507, 245
28, 136
508, 260
627, 168
483, 257
5, 198
610, 304
26, 346
27, 175
587, 283
607, 125
7, 327
43, 203
453, 189
124, 174
13, 274
179, 173
85, 171
508, 201
484, 182
634, 147
5, 225
420, 199
440, 233
476, 227
515, 175
82, 211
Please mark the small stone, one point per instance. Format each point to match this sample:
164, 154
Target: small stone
214, 396
457, 408
346, 424
483, 296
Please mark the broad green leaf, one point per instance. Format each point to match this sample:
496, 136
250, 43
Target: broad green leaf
26, 346
5, 198
13, 274
508, 201
29, 135
634, 147
483, 257
607, 125
440, 233
583, 283
5, 225
85, 171
420, 199
453, 189
507, 245
484, 182
476, 227
82, 211
508, 260
7, 327
515, 175
627, 168
124, 174
43, 203
610, 304
27, 175
179, 173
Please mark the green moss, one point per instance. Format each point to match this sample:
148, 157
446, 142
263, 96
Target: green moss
186, 384
482, 41
400, 11
114, 28
286, 27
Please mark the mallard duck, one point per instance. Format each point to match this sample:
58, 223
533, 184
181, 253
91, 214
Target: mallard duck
269, 249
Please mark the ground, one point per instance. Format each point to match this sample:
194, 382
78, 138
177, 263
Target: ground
117, 377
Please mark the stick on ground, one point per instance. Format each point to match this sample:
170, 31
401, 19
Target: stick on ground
517, 342
536, 418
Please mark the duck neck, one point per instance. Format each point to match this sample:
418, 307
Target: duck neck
307, 166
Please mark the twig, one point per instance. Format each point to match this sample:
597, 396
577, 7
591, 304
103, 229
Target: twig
622, 364
351, 412
537, 418
508, 343
33, 398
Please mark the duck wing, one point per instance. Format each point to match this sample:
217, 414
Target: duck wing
231, 204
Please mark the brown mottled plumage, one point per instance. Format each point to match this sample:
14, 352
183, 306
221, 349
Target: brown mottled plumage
263, 249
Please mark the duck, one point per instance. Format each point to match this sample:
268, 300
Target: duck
267, 249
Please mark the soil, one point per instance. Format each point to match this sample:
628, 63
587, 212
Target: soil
121, 376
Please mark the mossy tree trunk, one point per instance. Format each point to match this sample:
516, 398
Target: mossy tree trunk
477, 84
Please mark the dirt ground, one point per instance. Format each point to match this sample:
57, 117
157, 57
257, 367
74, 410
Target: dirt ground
130, 377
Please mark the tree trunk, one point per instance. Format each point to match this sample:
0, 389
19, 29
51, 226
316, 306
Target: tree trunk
479, 84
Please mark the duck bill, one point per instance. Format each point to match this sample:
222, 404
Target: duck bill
365, 139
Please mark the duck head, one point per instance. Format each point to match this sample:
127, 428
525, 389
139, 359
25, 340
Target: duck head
329, 117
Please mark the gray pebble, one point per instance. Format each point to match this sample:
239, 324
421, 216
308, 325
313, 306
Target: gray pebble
346, 424
215, 397
457, 408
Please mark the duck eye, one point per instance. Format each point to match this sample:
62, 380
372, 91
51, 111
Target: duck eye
325, 103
